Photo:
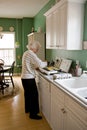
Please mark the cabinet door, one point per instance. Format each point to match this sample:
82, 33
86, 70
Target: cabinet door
56, 28
45, 97
49, 31
57, 108
77, 110
75, 22
56, 115
63, 17
52, 30
71, 122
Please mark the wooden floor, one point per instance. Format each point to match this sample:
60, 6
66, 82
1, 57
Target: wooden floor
13, 117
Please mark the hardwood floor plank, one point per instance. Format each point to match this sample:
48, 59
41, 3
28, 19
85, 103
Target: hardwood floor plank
13, 117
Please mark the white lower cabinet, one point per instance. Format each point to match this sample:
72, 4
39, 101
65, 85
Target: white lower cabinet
45, 99
66, 114
57, 108
61, 110
76, 115
71, 122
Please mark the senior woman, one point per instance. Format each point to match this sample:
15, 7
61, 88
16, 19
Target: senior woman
30, 62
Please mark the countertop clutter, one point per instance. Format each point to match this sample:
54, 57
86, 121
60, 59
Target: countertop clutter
61, 65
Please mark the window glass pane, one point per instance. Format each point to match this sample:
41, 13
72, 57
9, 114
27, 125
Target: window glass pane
7, 47
7, 41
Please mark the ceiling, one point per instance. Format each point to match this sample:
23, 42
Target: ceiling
20, 8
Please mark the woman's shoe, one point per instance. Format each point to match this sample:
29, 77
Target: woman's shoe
36, 117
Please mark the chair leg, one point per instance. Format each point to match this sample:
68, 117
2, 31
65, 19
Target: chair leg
2, 89
12, 81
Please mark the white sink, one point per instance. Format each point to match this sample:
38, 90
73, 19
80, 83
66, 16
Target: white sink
72, 83
82, 92
76, 86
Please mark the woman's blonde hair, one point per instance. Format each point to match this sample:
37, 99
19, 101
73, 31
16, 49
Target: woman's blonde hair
34, 45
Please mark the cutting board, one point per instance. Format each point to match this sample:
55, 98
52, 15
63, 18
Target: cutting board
65, 65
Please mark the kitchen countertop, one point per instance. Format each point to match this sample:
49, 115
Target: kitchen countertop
76, 87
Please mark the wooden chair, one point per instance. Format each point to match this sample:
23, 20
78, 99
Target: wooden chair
1, 62
3, 85
9, 75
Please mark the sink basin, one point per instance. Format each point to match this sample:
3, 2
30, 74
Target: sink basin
76, 86
72, 83
82, 92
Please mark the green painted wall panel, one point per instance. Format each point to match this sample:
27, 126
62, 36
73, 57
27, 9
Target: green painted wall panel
40, 19
7, 22
74, 55
22, 27
27, 24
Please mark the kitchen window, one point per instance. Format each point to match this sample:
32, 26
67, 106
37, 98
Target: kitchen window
7, 47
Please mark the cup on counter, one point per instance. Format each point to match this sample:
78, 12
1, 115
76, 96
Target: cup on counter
54, 77
79, 71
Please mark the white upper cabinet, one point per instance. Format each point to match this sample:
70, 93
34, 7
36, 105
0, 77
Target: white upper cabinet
64, 25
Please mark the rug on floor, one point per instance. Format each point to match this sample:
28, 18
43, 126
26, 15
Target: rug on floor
10, 91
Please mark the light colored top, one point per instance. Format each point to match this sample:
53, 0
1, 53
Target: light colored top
30, 62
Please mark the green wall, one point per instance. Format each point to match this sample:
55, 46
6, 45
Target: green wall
27, 24
40, 20
22, 27
80, 55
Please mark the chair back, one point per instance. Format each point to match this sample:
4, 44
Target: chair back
12, 69
1, 62
1, 74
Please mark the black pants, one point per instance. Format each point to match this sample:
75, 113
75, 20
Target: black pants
30, 96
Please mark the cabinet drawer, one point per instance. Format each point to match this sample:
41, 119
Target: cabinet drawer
75, 107
57, 94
